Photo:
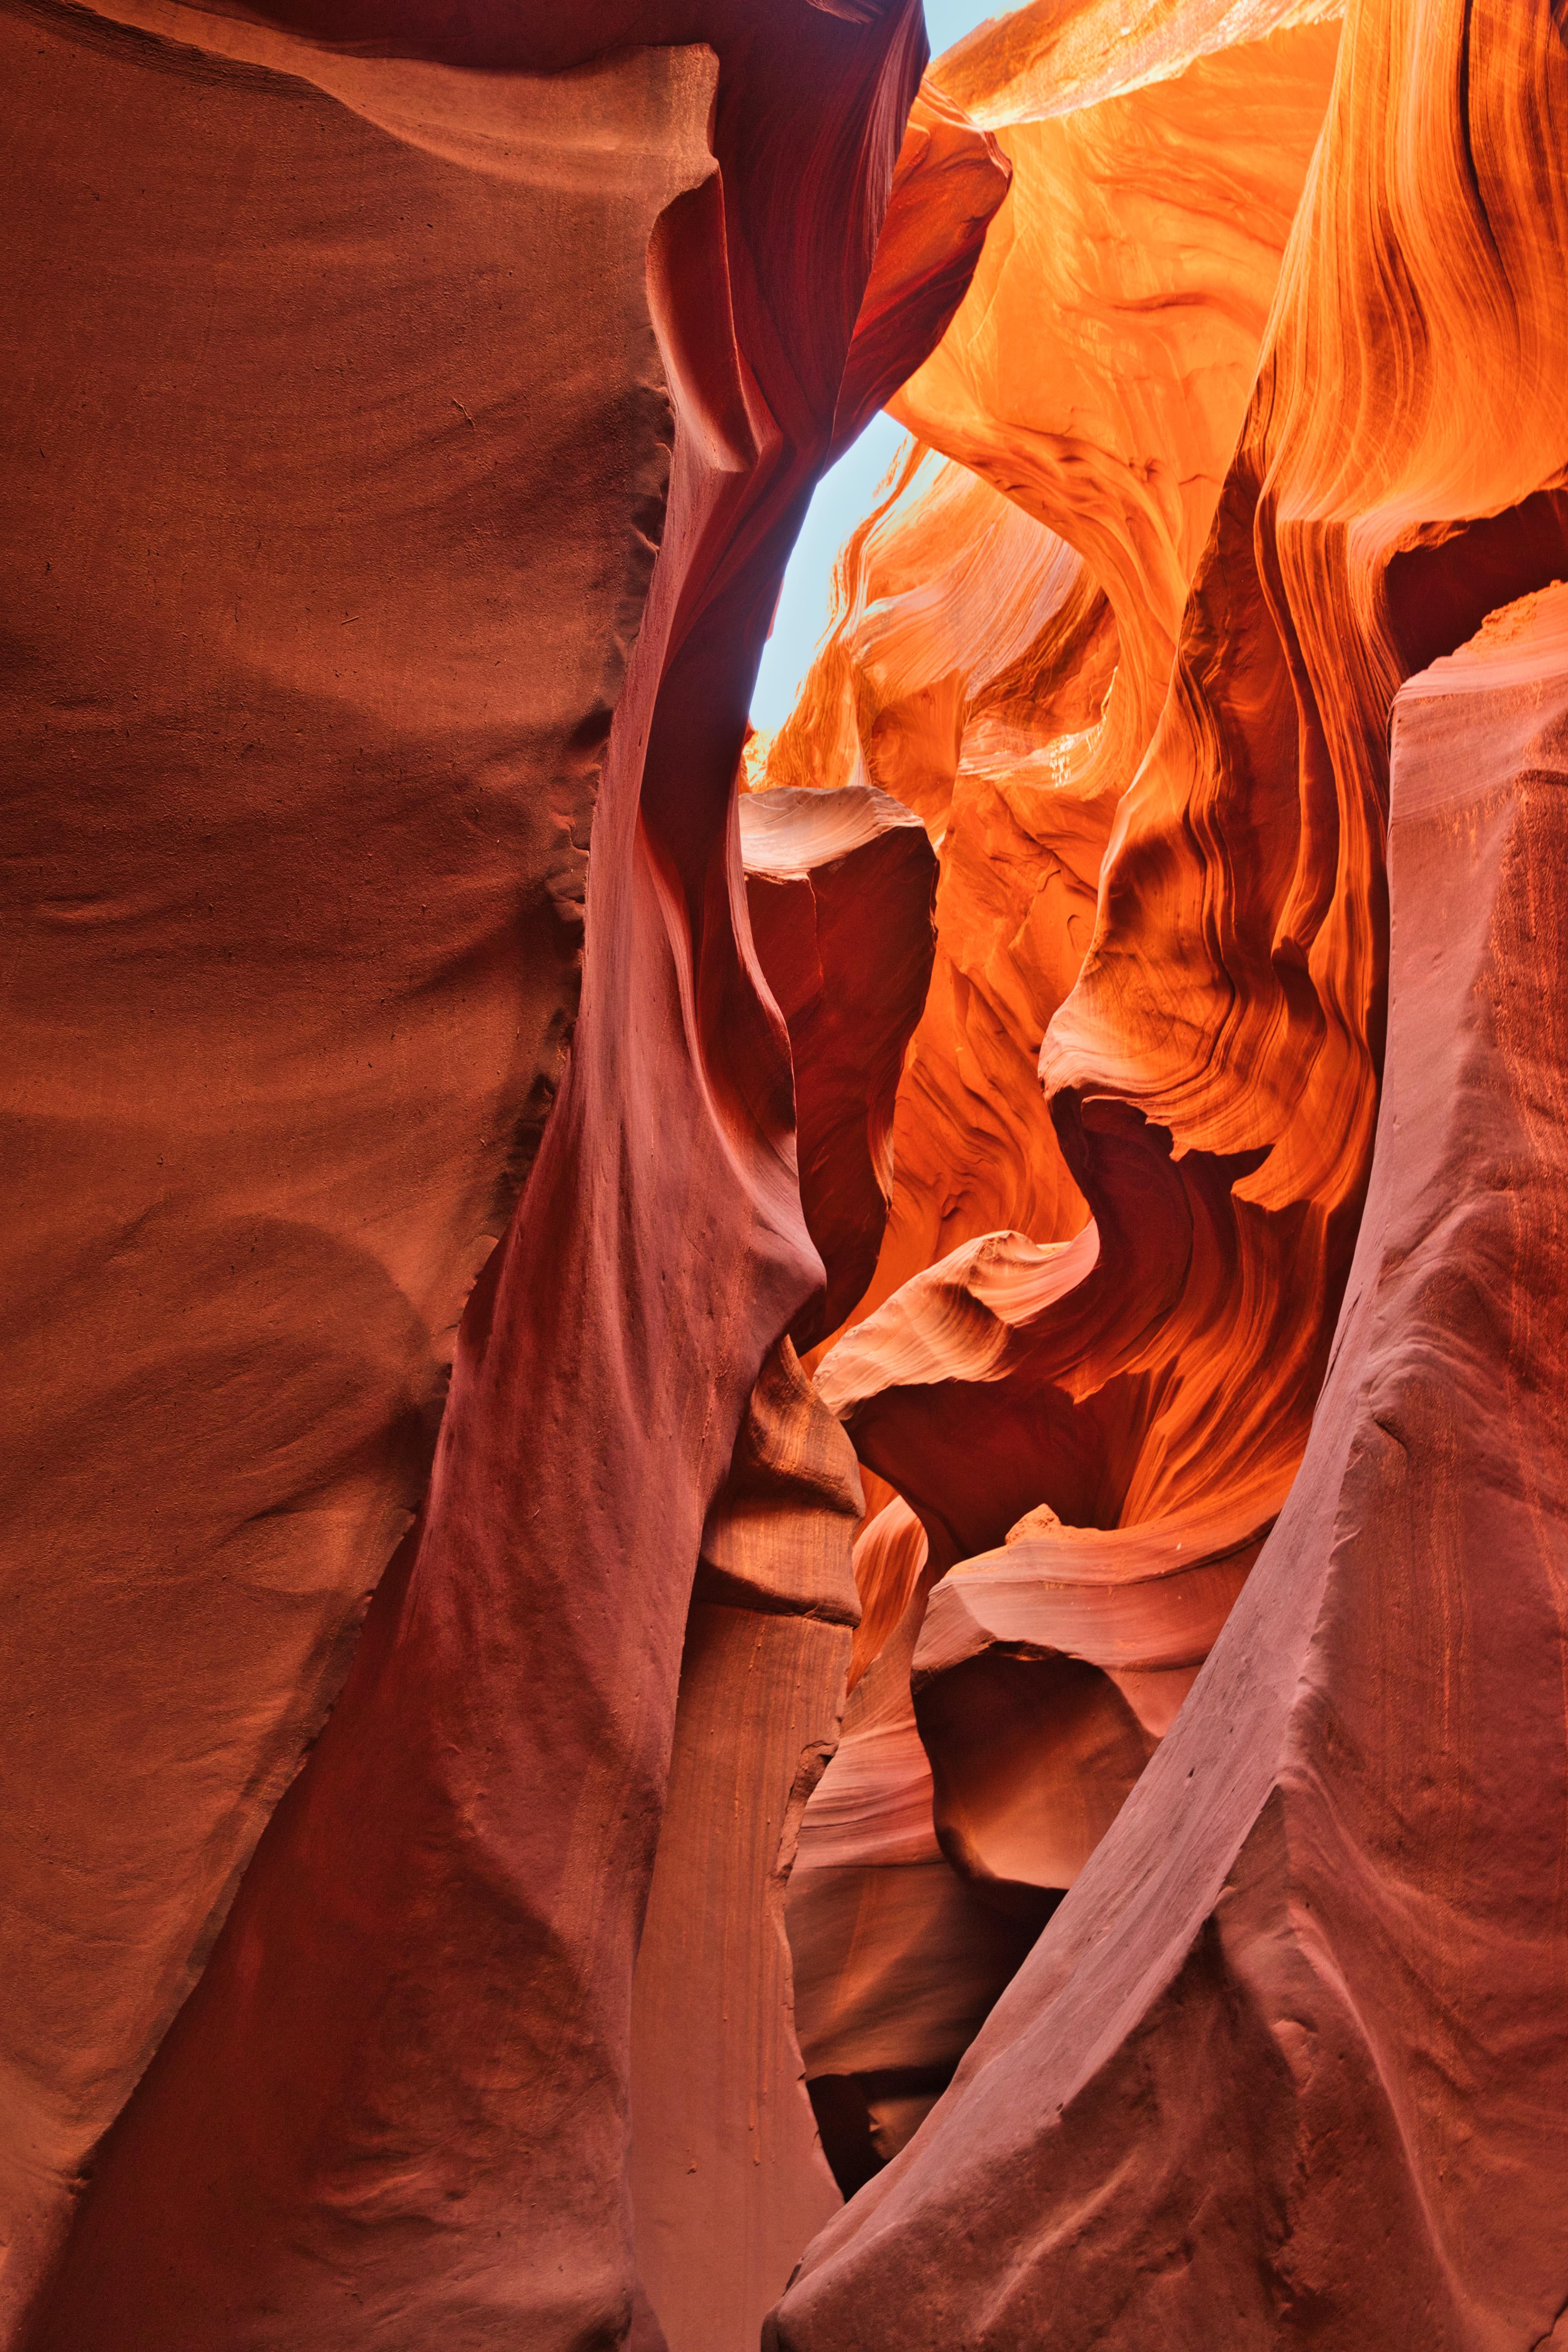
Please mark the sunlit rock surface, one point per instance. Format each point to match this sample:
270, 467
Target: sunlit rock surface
1000, 660
1292, 2045
679, 1547
1100, 1430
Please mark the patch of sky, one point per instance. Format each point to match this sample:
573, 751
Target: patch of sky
845, 494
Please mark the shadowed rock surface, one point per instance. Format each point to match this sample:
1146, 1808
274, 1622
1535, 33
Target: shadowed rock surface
435, 345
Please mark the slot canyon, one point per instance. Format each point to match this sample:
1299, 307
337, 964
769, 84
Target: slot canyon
786, 1553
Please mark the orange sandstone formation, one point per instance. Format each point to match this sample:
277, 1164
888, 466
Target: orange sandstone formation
999, 661
1289, 2063
1256, 2076
494, 1857
895, 1958
728, 2181
1096, 374
965, 677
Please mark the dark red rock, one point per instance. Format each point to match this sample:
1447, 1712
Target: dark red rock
728, 2181
397, 2100
840, 887
727, 2178
949, 185
297, 850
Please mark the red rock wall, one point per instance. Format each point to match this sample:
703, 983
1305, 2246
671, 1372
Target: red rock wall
728, 2179
300, 847
1216, 2066
361, 352
1288, 2065
415, 419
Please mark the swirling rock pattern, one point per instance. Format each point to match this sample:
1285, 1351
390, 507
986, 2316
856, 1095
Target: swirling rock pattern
1233, 1961
1006, 682
1004, 636
1289, 2057
493, 1174
727, 2178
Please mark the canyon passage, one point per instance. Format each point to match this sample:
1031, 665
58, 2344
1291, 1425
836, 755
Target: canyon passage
785, 1558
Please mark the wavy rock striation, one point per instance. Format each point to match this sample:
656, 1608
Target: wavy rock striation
493, 1176
1289, 2059
1004, 644
1230, 1968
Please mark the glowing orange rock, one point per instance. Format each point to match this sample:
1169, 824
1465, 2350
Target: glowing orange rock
998, 662
1297, 2018
1005, 682
1099, 367
1258, 2065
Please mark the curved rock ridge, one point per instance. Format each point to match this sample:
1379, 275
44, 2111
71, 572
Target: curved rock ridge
1097, 374
290, 377
1045, 1673
965, 675
949, 183
1003, 636
840, 887
1290, 2051
1214, 1079
728, 2178
1028, 64
1213, 1075
897, 1960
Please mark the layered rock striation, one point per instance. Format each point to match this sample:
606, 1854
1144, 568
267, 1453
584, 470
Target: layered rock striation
1098, 1428
1289, 2059
745, 1482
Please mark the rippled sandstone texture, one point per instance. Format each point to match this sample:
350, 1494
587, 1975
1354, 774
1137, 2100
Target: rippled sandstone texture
1287, 2064
1000, 662
418, 411
1006, 681
415, 422
1289, 2061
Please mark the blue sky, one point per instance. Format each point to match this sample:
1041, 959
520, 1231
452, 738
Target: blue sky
843, 495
